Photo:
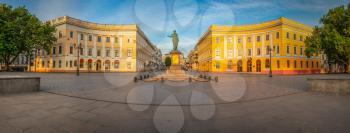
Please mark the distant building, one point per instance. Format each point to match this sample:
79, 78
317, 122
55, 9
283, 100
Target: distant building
101, 47
245, 48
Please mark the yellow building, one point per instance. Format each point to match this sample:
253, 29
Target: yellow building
101, 47
245, 48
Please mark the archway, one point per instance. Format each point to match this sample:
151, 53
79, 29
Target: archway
98, 65
239, 66
229, 65
258, 66
89, 64
249, 66
107, 65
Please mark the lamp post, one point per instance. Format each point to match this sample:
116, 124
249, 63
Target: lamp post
270, 53
78, 60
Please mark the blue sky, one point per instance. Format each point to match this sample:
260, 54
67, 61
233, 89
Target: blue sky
191, 18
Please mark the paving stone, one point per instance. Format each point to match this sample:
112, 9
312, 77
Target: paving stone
24, 123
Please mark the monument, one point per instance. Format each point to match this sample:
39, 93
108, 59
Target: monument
175, 54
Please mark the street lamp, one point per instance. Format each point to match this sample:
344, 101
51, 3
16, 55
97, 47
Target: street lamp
78, 60
270, 53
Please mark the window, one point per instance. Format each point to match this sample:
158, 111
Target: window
59, 63
54, 50
54, 64
267, 37
288, 64
116, 53
98, 52
81, 36
295, 64
90, 38
312, 64
48, 64
278, 64
59, 34
217, 40
249, 39
71, 63
59, 49
99, 39
301, 64
71, 34
258, 51
307, 64
301, 38
90, 52
230, 53
240, 52
258, 38
71, 50
277, 49
75, 63
287, 35
129, 52
42, 63
301, 51
277, 35
107, 53
316, 64
108, 39
295, 36
239, 40
295, 50
217, 53
287, 49
249, 52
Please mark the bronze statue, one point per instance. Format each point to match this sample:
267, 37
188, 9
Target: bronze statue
175, 40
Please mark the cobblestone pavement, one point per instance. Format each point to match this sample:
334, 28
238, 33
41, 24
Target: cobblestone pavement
109, 102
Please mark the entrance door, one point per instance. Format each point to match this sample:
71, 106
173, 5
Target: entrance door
98, 65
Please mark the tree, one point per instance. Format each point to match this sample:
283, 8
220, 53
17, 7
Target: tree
22, 32
332, 37
167, 61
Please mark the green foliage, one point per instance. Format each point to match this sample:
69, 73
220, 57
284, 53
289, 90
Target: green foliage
22, 32
333, 36
167, 61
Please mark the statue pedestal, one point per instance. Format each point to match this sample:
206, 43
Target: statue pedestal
175, 62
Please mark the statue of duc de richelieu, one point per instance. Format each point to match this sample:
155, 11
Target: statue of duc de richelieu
175, 40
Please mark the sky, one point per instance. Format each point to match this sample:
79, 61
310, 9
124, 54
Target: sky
190, 18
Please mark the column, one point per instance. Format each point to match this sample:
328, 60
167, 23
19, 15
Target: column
254, 43
121, 46
103, 52
235, 51
244, 46
85, 45
94, 50
225, 47
112, 48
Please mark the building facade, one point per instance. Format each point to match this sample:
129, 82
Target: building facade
245, 48
100, 47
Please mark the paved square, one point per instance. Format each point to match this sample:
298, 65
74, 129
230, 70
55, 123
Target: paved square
111, 102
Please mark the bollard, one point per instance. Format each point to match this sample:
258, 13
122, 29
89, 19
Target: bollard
140, 77
147, 75
144, 76
135, 79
